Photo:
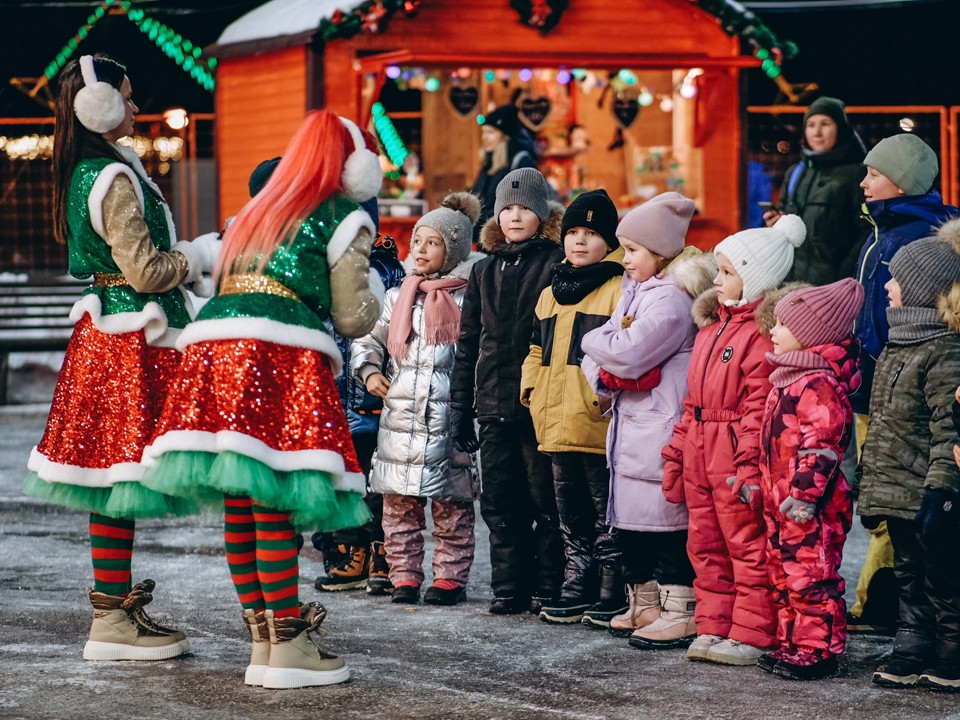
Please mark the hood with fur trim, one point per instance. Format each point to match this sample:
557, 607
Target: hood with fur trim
765, 315
693, 271
493, 239
706, 308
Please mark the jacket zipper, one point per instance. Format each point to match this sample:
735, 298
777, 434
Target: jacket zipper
893, 383
876, 239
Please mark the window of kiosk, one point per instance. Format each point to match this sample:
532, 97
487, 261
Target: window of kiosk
629, 131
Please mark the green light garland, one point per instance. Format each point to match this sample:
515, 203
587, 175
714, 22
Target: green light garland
184, 53
388, 135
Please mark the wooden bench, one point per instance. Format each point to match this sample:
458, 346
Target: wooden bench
35, 317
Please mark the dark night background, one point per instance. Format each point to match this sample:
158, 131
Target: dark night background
889, 53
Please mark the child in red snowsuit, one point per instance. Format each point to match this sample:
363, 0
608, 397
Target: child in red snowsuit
807, 503
711, 460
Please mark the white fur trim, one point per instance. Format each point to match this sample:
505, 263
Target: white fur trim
152, 321
242, 444
377, 289
87, 477
362, 175
347, 232
101, 186
262, 329
98, 105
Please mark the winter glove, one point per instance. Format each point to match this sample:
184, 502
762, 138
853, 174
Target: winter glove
749, 494
648, 381
462, 429
938, 516
871, 522
798, 510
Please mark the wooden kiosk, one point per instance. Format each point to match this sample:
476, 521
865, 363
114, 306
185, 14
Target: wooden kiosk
636, 96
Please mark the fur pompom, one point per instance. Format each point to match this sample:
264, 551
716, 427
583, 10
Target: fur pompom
948, 305
949, 233
793, 228
99, 107
465, 202
361, 176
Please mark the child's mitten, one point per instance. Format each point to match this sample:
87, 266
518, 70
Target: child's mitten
648, 381
798, 510
749, 494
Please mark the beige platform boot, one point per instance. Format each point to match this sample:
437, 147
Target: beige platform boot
644, 608
260, 651
675, 627
122, 630
295, 658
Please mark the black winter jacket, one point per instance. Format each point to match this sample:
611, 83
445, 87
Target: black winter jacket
827, 196
497, 319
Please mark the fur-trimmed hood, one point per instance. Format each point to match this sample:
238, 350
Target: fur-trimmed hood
493, 239
693, 271
706, 308
765, 315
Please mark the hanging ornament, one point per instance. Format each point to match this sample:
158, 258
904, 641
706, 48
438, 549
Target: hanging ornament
534, 111
464, 99
625, 110
540, 14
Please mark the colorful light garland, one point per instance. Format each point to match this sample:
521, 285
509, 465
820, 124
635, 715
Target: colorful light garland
387, 132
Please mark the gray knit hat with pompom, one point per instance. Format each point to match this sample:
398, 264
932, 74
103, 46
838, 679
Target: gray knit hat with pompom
454, 220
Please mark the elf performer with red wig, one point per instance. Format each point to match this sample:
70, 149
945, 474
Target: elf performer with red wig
253, 420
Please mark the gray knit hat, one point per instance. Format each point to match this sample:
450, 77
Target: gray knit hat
660, 224
924, 269
907, 161
762, 257
454, 220
524, 186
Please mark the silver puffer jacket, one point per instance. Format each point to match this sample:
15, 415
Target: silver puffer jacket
415, 454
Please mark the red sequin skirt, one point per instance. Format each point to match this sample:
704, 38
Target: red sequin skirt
276, 403
109, 394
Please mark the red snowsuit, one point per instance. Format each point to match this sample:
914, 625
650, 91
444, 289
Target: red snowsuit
719, 437
806, 429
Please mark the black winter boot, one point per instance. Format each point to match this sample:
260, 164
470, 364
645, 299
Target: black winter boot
348, 572
613, 600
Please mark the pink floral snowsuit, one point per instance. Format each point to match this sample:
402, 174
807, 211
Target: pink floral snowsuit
805, 431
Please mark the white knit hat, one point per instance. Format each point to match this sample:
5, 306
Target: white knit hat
762, 257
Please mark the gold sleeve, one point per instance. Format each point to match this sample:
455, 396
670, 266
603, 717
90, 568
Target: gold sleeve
146, 268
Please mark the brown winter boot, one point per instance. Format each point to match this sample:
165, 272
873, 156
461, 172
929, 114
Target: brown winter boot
260, 652
348, 572
295, 659
675, 627
644, 608
122, 630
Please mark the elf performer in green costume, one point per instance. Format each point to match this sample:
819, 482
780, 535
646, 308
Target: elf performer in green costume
253, 421
122, 354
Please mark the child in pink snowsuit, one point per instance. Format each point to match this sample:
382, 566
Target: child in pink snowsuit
806, 499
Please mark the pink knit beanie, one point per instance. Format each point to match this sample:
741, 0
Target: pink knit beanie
660, 224
821, 315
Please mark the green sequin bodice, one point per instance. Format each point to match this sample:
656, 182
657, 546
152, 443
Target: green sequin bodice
89, 253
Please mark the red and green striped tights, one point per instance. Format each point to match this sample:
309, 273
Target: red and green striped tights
261, 551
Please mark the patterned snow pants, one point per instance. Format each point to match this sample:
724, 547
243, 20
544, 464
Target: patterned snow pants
804, 562
404, 521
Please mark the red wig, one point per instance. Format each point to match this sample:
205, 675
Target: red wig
308, 173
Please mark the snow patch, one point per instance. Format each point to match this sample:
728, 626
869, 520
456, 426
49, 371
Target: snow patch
282, 17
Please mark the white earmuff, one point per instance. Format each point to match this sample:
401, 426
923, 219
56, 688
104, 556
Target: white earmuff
98, 105
361, 176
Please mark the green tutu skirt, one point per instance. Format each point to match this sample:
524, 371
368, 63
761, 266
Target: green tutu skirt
127, 500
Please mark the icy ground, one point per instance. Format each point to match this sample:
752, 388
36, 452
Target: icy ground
407, 662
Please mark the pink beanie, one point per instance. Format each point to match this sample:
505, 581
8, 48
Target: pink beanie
660, 224
821, 315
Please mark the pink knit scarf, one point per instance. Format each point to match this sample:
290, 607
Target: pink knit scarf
441, 314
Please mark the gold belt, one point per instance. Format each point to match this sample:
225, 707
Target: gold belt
255, 283
109, 280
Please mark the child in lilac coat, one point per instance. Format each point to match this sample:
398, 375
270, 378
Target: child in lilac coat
651, 329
